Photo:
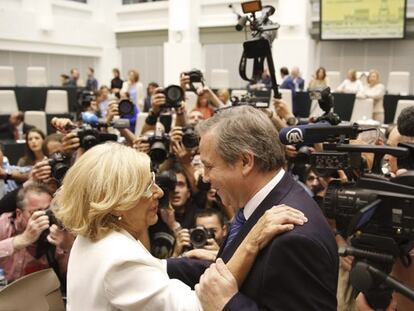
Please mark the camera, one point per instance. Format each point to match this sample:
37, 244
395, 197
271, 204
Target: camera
166, 180
125, 107
196, 78
42, 245
90, 136
159, 147
60, 165
199, 236
173, 96
190, 137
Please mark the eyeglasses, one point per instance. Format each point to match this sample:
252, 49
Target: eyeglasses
148, 192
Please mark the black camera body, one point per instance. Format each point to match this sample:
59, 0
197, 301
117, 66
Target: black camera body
190, 137
166, 180
90, 136
125, 107
159, 147
199, 236
174, 95
60, 165
196, 77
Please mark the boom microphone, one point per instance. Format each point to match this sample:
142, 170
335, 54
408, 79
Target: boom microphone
316, 133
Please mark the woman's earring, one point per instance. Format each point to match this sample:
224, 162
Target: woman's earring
119, 218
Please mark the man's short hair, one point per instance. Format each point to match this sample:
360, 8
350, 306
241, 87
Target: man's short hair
210, 212
284, 71
245, 129
49, 138
21, 195
405, 122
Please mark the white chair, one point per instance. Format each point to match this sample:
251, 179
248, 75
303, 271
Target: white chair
139, 124
7, 76
402, 103
36, 76
363, 109
57, 101
333, 78
8, 102
190, 101
287, 98
37, 119
219, 79
398, 82
238, 93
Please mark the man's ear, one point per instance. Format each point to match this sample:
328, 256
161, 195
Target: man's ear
247, 159
18, 212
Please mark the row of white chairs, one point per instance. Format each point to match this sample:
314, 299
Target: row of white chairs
35, 76
56, 101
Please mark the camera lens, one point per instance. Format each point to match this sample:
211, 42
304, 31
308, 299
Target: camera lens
174, 94
198, 237
158, 152
125, 107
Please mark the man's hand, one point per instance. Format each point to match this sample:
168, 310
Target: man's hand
217, 286
211, 245
141, 144
182, 239
168, 216
157, 101
345, 262
63, 125
176, 134
41, 171
70, 143
182, 153
291, 151
37, 223
184, 81
60, 238
281, 109
112, 111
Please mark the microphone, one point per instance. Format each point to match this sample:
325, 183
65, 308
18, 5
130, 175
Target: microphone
89, 118
293, 135
92, 119
316, 133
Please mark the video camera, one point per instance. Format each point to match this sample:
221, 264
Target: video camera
263, 32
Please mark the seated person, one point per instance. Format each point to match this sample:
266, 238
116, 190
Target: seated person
151, 88
15, 129
319, 80
34, 152
351, 84
20, 232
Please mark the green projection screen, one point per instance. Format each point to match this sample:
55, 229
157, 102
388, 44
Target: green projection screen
362, 19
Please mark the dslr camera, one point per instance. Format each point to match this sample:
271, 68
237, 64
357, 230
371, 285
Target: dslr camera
196, 79
173, 96
166, 180
125, 107
159, 147
199, 236
60, 165
190, 137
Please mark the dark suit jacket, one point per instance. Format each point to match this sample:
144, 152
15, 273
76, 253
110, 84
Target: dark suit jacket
7, 130
296, 271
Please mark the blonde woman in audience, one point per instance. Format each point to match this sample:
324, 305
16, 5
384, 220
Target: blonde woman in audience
375, 90
224, 96
134, 88
351, 84
319, 80
109, 199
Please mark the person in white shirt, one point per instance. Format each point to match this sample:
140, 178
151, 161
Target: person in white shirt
375, 90
351, 84
109, 199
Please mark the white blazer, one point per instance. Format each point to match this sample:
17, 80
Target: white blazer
118, 273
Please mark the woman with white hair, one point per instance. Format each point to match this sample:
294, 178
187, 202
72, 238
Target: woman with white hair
109, 199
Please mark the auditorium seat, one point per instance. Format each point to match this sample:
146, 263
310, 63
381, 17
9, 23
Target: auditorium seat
333, 78
363, 109
140, 122
402, 103
38, 291
36, 76
8, 102
398, 83
7, 76
190, 101
37, 119
219, 79
57, 101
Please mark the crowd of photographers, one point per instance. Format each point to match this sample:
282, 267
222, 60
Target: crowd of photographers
192, 221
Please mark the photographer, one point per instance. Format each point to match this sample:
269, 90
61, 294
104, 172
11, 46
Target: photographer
212, 221
20, 231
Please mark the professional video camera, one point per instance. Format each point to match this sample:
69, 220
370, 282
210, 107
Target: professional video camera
263, 32
60, 165
256, 102
199, 236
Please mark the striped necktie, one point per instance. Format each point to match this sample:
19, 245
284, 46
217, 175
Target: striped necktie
235, 227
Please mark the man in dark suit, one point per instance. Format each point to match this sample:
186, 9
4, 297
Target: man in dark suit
243, 159
16, 128
295, 83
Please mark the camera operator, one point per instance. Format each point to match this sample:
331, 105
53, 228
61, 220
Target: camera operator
212, 221
20, 231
